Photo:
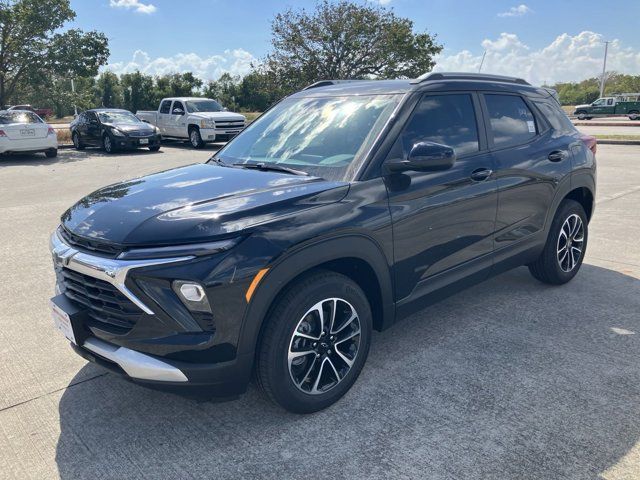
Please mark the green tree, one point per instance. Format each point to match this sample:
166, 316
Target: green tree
32, 48
137, 91
108, 91
224, 90
346, 40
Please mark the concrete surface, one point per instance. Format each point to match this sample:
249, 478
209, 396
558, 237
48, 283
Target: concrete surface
609, 130
509, 380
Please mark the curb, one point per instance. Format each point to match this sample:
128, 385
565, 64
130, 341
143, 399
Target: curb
607, 124
617, 142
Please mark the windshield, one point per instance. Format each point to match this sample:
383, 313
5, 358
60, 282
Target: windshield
18, 117
118, 117
203, 106
321, 136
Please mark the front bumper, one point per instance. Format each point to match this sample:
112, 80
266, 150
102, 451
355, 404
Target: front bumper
128, 143
165, 347
218, 134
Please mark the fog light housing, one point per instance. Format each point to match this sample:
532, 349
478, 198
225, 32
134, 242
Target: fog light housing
192, 295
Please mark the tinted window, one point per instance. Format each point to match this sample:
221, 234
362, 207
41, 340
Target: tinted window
165, 107
445, 119
203, 106
177, 106
556, 118
511, 120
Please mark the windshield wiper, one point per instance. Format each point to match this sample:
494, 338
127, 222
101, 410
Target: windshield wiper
265, 167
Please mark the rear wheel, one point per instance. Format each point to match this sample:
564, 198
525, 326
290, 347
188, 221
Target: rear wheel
634, 115
107, 143
194, 138
77, 141
51, 153
155, 148
566, 245
315, 342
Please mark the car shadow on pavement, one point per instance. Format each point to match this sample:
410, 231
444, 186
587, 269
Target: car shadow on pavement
510, 379
66, 156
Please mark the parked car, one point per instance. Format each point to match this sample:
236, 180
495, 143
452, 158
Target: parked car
24, 131
622, 104
41, 112
199, 120
342, 209
113, 129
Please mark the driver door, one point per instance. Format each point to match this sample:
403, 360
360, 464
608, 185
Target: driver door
443, 221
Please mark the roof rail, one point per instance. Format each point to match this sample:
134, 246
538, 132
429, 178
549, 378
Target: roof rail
430, 76
325, 83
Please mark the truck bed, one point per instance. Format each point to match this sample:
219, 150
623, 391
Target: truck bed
149, 116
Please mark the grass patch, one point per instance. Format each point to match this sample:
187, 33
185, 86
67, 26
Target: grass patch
616, 137
569, 109
251, 116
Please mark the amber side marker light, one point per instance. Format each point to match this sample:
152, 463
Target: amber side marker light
254, 283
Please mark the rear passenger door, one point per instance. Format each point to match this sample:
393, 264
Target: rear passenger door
443, 221
531, 160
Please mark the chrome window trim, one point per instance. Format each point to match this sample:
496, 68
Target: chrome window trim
109, 270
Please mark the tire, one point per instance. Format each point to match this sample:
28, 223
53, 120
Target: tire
582, 115
107, 144
300, 384
634, 115
77, 141
195, 139
52, 153
556, 265
155, 148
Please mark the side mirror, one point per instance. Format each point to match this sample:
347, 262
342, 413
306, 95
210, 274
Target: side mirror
225, 109
424, 157
177, 111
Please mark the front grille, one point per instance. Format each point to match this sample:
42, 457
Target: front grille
230, 124
94, 246
107, 307
140, 134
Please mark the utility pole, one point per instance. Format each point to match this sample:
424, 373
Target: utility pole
604, 69
482, 61
73, 90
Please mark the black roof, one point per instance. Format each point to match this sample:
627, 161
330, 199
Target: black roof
436, 81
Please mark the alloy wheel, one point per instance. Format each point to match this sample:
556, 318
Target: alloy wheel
195, 141
324, 346
76, 141
570, 243
107, 144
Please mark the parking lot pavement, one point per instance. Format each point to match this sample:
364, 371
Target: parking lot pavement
609, 130
510, 379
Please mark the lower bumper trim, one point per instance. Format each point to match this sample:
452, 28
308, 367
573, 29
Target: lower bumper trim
135, 364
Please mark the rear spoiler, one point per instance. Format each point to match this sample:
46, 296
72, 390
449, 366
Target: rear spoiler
552, 93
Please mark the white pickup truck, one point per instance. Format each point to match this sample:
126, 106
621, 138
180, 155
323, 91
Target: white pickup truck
200, 120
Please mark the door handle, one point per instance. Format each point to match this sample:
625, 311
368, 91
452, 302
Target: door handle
556, 156
480, 174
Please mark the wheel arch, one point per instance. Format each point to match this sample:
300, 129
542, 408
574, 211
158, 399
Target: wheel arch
355, 256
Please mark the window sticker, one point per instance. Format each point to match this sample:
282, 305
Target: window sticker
532, 126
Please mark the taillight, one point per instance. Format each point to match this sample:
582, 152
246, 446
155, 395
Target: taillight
2, 134
590, 142
51, 131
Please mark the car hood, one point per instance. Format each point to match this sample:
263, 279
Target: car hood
132, 127
586, 105
194, 203
219, 116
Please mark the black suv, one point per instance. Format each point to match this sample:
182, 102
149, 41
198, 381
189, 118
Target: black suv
342, 209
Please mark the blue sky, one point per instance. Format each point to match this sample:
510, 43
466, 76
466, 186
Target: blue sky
543, 40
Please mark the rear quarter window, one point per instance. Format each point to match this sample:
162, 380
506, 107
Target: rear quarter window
510, 120
165, 106
556, 117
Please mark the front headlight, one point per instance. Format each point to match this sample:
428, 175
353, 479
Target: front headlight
117, 132
194, 249
207, 123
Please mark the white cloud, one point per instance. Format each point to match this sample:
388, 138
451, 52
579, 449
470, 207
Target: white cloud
136, 5
235, 62
567, 58
518, 11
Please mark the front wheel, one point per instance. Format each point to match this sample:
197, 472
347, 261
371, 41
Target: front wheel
155, 148
634, 115
77, 141
582, 115
107, 144
566, 245
315, 342
195, 138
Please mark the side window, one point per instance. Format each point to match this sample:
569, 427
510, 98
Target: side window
609, 101
177, 106
165, 107
511, 121
556, 118
445, 119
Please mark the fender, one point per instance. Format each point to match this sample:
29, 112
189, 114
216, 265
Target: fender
304, 257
